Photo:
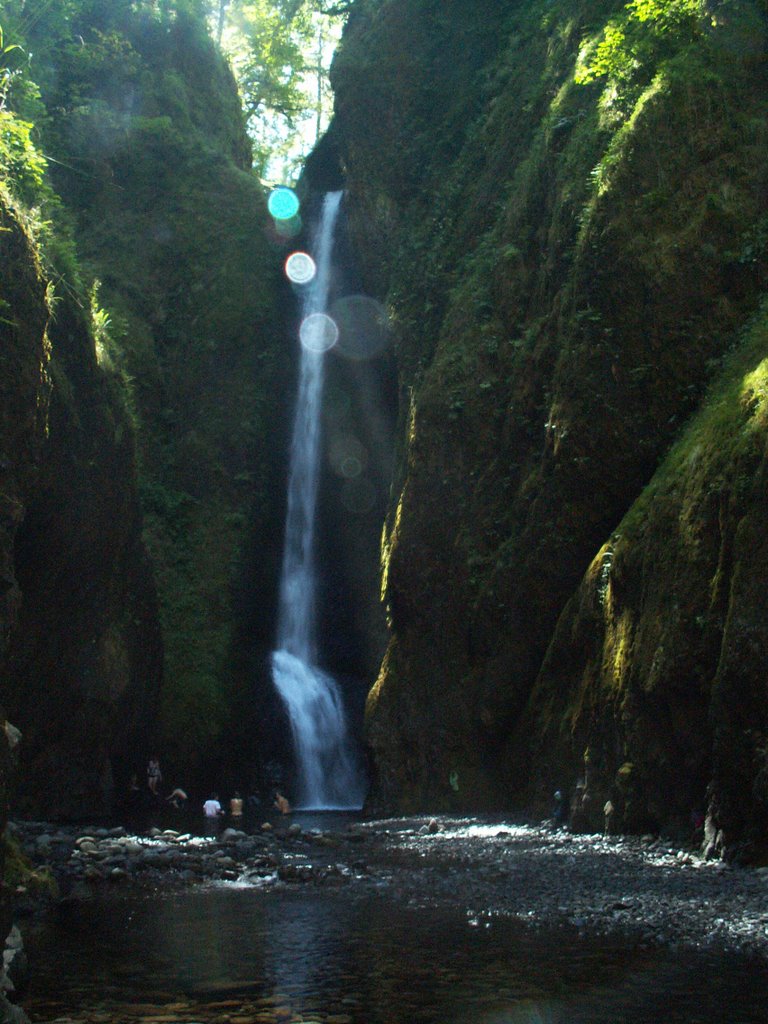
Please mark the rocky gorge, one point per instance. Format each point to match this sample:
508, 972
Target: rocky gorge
571, 257
559, 210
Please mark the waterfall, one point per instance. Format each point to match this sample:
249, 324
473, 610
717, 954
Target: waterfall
328, 776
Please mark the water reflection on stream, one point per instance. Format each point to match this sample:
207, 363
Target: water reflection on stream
235, 955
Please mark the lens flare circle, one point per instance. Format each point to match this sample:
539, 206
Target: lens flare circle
350, 467
288, 229
347, 456
283, 203
363, 327
318, 332
300, 268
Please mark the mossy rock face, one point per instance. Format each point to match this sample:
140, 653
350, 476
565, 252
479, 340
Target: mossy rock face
81, 649
18, 871
173, 224
24, 355
660, 656
142, 449
566, 256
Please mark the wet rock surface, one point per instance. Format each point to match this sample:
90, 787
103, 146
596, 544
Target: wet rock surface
640, 887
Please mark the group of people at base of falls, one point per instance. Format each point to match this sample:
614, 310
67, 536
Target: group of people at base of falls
212, 808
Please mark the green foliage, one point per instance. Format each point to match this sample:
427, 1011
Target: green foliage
86, 50
280, 52
634, 44
728, 429
270, 69
22, 167
109, 340
8, 65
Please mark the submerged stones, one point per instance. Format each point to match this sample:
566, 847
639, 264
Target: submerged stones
270, 857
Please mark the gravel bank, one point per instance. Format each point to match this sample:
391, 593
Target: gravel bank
639, 887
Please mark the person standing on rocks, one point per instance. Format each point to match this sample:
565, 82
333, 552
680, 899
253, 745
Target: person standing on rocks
281, 803
559, 808
609, 812
154, 775
212, 807
213, 813
236, 805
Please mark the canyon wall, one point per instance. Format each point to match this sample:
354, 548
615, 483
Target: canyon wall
81, 650
145, 410
564, 207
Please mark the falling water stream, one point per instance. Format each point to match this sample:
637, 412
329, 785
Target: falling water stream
328, 777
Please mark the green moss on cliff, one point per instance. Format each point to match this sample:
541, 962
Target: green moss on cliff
558, 243
144, 134
728, 429
656, 659
78, 649
174, 224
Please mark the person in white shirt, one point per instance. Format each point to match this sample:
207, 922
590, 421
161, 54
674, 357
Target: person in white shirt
212, 807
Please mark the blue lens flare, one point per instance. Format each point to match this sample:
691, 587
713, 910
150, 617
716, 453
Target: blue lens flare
283, 203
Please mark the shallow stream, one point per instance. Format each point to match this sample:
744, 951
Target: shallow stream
363, 952
237, 955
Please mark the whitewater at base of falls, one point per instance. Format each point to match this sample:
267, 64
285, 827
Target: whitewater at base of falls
331, 779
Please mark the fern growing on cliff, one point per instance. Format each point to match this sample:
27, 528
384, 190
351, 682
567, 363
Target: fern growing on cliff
22, 167
634, 44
